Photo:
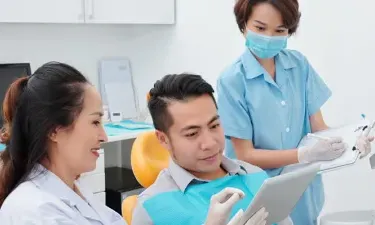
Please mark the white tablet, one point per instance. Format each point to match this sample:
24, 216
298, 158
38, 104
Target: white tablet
280, 194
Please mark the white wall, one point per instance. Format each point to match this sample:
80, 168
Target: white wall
202, 42
337, 41
337, 37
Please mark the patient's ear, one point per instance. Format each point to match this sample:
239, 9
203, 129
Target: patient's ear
163, 139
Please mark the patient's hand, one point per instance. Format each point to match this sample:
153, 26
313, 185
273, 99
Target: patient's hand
221, 206
259, 218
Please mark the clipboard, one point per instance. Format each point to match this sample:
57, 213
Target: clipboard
349, 133
372, 161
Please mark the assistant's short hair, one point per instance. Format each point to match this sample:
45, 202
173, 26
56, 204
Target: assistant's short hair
289, 10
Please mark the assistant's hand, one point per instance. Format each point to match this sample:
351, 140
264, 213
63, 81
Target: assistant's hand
363, 145
323, 150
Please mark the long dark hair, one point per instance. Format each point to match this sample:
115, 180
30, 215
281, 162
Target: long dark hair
33, 107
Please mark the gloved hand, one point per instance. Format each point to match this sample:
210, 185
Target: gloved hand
323, 150
221, 206
363, 144
259, 218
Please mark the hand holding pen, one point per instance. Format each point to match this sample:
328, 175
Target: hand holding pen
363, 142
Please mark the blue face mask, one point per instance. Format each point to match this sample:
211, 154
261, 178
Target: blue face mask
265, 46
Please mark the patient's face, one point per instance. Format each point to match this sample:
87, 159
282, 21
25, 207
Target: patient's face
196, 139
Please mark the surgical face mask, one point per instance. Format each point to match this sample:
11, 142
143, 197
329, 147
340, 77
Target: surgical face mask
265, 46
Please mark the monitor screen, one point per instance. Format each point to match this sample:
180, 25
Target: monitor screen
9, 73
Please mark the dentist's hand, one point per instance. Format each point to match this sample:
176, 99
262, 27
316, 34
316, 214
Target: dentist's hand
221, 206
323, 150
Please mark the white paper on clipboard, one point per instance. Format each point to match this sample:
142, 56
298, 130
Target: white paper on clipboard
349, 134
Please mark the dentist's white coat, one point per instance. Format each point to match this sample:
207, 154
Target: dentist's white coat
46, 200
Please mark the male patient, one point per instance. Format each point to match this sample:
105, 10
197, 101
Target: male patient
185, 116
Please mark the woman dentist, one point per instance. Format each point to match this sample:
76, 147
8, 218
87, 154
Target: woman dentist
53, 133
271, 97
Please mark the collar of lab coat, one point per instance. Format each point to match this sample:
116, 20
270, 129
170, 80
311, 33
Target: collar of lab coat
49, 182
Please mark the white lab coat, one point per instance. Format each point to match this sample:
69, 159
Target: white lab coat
45, 200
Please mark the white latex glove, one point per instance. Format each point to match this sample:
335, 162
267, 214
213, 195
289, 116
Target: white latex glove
323, 150
363, 145
221, 206
259, 218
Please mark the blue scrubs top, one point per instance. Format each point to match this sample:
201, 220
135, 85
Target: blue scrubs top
274, 115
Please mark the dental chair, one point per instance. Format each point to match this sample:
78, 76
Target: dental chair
148, 158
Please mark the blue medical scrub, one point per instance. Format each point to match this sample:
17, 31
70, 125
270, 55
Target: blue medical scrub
274, 115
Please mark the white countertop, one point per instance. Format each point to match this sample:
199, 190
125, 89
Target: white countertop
126, 136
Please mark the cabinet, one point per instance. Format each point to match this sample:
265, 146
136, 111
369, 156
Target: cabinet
41, 11
130, 11
88, 11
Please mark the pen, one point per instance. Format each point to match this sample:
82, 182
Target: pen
370, 127
363, 129
318, 136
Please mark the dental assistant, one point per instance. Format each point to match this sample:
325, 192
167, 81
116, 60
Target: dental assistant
270, 97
